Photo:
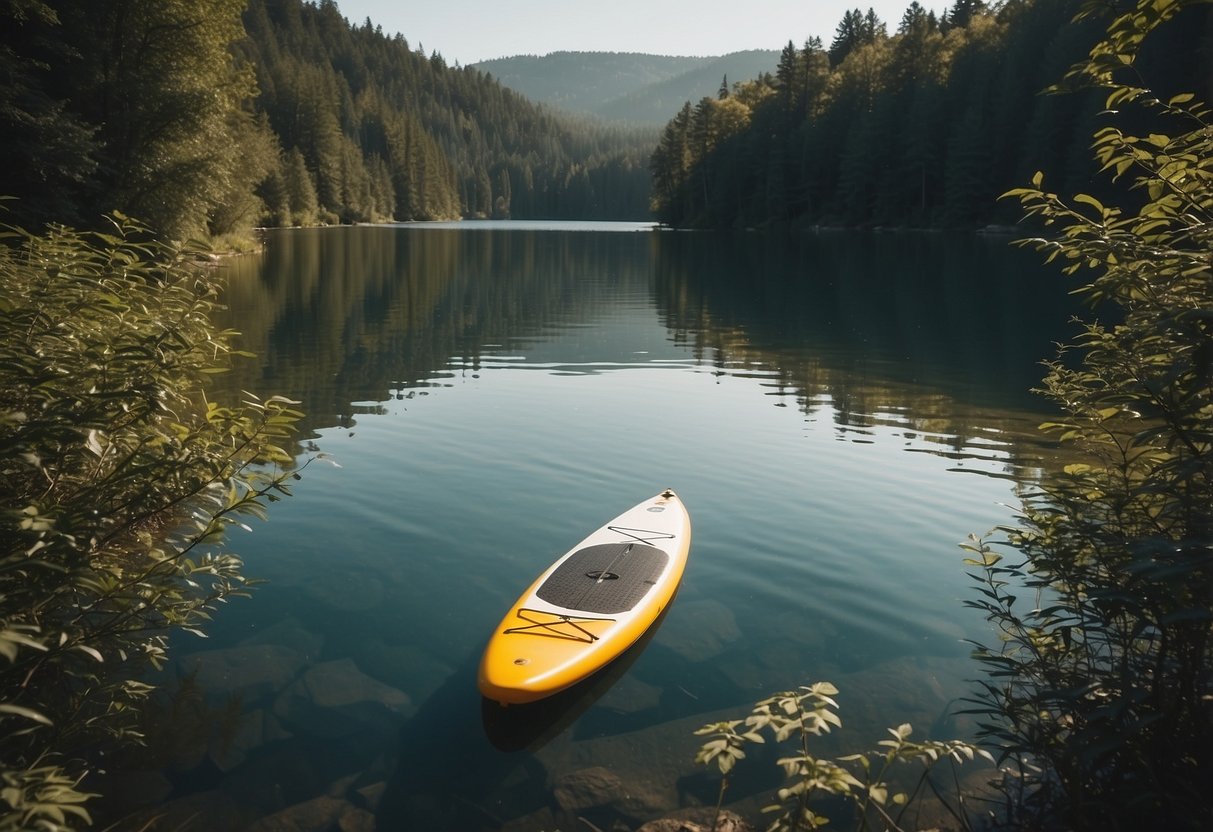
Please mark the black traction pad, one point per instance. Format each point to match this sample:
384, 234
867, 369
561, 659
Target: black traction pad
606, 579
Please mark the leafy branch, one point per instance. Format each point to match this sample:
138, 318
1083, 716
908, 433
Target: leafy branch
863, 779
120, 479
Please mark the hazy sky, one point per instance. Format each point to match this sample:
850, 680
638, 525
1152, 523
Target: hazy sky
468, 31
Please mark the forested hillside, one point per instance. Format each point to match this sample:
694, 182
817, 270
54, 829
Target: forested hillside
922, 127
207, 118
584, 81
204, 119
628, 87
385, 131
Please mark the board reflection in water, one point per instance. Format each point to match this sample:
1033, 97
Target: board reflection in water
531, 725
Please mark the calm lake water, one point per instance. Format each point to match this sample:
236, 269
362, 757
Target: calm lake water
837, 411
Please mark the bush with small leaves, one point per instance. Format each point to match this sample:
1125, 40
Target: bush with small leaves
118, 478
862, 779
1100, 687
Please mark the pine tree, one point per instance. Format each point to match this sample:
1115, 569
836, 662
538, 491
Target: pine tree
963, 12
847, 36
275, 199
300, 189
670, 166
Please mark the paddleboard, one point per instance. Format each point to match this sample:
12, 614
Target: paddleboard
590, 605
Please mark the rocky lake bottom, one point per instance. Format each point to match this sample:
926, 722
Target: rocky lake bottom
270, 736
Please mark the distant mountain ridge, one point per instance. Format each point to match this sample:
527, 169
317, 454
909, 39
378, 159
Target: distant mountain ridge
632, 87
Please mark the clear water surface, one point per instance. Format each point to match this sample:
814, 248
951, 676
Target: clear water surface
837, 411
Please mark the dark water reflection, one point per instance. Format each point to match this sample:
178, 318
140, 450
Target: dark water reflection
918, 328
962, 314
492, 393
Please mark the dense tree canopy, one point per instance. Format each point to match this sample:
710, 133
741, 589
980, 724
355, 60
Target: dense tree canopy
207, 118
387, 132
131, 104
922, 127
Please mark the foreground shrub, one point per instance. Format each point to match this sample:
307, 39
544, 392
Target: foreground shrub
1100, 689
863, 780
117, 480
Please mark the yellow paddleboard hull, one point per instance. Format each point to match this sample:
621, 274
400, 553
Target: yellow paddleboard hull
590, 605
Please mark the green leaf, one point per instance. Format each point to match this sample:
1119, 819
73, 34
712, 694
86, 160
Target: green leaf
1087, 199
28, 713
84, 648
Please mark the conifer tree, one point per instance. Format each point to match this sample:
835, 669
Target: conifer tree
963, 11
847, 36
670, 165
300, 189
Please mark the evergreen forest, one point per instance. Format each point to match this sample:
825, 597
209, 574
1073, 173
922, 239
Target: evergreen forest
629, 87
205, 120
921, 127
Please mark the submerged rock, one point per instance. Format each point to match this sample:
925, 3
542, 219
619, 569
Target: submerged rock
698, 630
598, 795
336, 699
347, 590
250, 672
629, 696
401, 664
354, 819
290, 632
255, 729
587, 789
539, 821
698, 820
317, 815
371, 794
773, 666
